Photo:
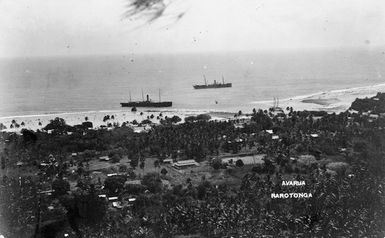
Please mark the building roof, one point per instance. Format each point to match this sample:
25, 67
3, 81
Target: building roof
104, 158
117, 205
132, 182
250, 159
189, 162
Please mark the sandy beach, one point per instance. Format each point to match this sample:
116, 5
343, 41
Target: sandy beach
332, 101
35, 122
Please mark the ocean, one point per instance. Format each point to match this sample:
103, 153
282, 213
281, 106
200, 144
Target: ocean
44, 85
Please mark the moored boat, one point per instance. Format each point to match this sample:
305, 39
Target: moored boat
146, 103
213, 85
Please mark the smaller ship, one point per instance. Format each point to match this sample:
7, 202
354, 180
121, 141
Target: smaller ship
146, 103
214, 85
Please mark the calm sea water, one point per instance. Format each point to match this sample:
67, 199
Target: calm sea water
54, 85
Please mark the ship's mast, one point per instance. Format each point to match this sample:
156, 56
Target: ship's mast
223, 79
205, 79
130, 95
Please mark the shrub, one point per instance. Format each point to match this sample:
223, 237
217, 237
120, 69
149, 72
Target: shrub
190, 119
87, 124
115, 158
58, 125
203, 117
146, 121
164, 171
216, 164
153, 182
114, 184
239, 163
29, 136
61, 187
360, 146
122, 168
134, 188
175, 119
289, 169
257, 169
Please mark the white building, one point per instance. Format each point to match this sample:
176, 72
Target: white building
185, 164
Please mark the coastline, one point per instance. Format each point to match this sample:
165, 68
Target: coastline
331, 101
338, 100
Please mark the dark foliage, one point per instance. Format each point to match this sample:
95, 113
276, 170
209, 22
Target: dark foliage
375, 104
239, 163
263, 120
164, 171
28, 136
114, 184
58, 126
60, 187
153, 182
87, 124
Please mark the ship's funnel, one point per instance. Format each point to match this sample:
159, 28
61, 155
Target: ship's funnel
148, 98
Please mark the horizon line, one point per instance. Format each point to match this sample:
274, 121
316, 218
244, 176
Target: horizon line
176, 53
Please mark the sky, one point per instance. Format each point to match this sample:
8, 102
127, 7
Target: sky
91, 27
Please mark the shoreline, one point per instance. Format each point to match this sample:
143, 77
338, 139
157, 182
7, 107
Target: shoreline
331, 101
337, 100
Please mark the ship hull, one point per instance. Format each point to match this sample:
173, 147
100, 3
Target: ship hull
222, 85
146, 104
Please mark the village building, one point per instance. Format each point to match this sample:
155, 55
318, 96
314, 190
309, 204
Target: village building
246, 159
167, 161
113, 174
275, 137
104, 158
132, 182
314, 135
185, 164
